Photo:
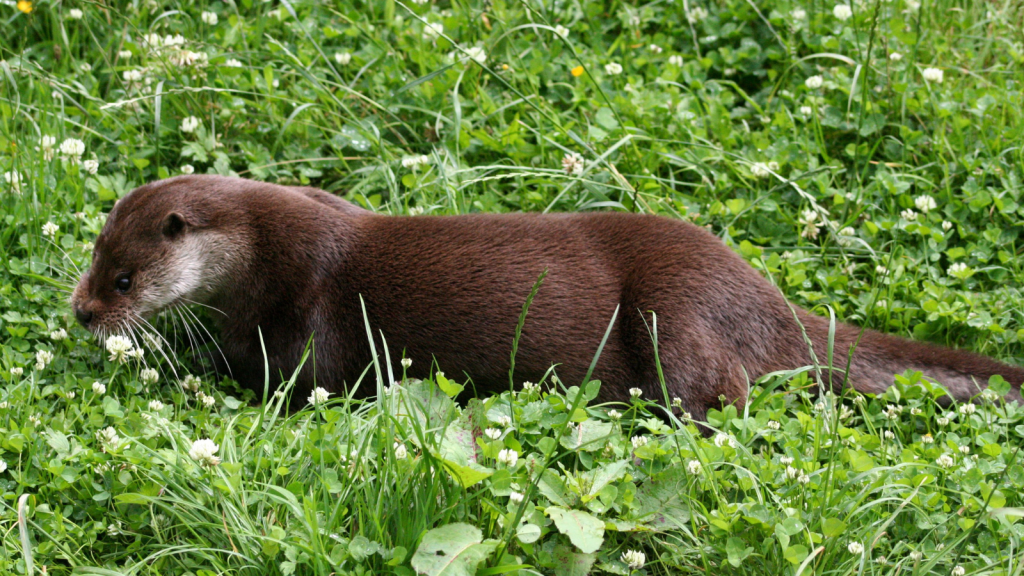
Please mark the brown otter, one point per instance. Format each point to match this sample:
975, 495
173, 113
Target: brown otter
293, 263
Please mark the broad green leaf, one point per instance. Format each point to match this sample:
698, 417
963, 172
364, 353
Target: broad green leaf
584, 530
452, 550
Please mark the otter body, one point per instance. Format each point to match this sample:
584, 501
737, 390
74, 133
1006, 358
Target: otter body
293, 262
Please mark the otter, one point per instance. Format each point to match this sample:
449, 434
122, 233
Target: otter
293, 263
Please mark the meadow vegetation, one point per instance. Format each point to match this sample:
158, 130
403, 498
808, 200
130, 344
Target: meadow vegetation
866, 157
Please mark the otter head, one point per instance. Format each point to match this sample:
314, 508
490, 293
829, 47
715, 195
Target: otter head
164, 243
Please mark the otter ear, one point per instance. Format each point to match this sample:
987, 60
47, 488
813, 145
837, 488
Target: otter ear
174, 225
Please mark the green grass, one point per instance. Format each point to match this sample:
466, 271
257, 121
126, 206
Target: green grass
717, 125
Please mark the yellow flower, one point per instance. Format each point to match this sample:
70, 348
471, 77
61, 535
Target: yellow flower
25, 6
577, 71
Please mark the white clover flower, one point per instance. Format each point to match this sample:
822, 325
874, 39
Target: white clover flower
773, 425
958, 570
613, 68
964, 449
119, 346
492, 433
932, 75
75, 14
406, 362
156, 405
786, 460
945, 461
13, 179
855, 548
614, 414
208, 400
99, 388
562, 31
209, 18
35, 420
842, 12
798, 14
908, 214
634, 559
889, 435
17, 371
925, 203
968, 409
675, 60
43, 358
845, 413
203, 451
942, 421
792, 473
946, 225
959, 270
654, 48
916, 412
47, 145
476, 53
693, 467
412, 162
893, 411
59, 334
191, 383
172, 41
343, 58
233, 63
50, 230
515, 497
91, 166
762, 170
635, 392
187, 58
803, 478
530, 387
809, 221
187, 169
132, 76
572, 163
71, 395
916, 555
723, 439
806, 110
895, 56
696, 14
814, 82
880, 560
189, 124
639, 441
108, 438
433, 30
504, 421
508, 457
401, 452
149, 376
318, 396
85, 67
72, 149
124, 54
3, 466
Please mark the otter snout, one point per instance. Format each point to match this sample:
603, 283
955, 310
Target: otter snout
83, 315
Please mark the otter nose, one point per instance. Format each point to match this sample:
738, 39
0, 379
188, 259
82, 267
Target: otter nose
84, 316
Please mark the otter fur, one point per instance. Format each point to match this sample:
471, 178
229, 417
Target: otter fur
292, 263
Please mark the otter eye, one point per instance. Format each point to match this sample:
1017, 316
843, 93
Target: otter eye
123, 283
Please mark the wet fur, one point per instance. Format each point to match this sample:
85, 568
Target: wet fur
294, 262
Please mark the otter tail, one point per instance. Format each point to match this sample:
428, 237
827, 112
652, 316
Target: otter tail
877, 357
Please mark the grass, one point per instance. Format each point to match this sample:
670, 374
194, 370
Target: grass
882, 191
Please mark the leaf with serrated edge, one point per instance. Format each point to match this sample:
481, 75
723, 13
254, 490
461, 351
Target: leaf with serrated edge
451, 550
584, 530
